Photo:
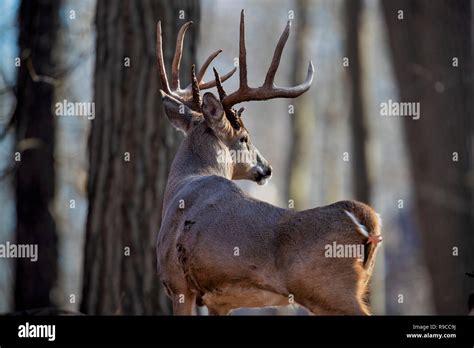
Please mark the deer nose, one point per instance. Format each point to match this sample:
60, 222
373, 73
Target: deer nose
269, 171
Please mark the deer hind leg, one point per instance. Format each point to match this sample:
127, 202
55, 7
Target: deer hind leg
335, 292
346, 303
184, 303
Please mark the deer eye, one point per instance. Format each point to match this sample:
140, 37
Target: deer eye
244, 139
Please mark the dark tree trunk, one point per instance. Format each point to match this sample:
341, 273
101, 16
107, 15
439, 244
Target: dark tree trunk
34, 122
125, 197
302, 121
360, 178
424, 44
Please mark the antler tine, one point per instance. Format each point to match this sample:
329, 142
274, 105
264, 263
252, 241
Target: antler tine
202, 71
161, 64
277, 56
212, 83
268, 90
195, 88
177, 55
242, 54
229, 113
300, 89
218, 81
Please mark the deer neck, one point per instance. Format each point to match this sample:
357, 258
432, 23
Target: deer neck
200, 154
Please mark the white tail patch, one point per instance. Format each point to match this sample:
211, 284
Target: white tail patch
361, 228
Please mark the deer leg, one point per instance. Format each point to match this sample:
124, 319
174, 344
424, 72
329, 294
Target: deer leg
337, 304
337, 293
184, 304
333, 303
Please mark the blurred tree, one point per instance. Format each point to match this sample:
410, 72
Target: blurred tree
302, 121
360, 177
34, 124
131, 148
432, 50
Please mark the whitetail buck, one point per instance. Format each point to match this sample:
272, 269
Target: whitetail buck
220, 247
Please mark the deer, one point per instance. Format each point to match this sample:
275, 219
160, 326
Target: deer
221, 248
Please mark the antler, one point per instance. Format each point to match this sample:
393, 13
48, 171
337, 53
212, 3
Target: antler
268, 90
191, 94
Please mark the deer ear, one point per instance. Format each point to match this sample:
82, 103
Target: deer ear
212, 109
178, 114
213, 112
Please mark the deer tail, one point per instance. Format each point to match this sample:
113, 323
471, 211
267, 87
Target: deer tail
368, 224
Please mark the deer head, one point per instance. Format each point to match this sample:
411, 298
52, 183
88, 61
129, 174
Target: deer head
209, 119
